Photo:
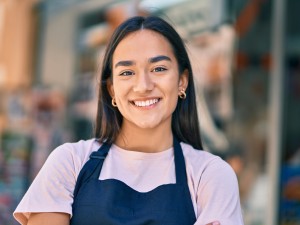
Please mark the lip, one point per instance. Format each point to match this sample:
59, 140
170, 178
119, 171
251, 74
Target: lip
145, 103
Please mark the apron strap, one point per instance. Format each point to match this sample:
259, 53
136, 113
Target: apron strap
92, 168
181, 177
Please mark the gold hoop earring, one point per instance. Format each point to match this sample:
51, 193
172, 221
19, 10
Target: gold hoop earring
113, 102
182, 94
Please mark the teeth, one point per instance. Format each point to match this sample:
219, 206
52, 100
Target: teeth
145, 103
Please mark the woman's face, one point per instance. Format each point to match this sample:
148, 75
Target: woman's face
146, 80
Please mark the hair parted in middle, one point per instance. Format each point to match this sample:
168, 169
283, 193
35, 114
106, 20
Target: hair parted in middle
185, 123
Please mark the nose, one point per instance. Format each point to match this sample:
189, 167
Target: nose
143, 83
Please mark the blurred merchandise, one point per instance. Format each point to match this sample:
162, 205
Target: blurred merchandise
15, 153
290, 198
47, 128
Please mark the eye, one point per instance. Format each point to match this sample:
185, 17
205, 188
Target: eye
126, 73
159, 69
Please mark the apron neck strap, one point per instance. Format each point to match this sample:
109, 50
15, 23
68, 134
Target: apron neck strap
102, 151
180, 169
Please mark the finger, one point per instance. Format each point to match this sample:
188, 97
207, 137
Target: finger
214, 223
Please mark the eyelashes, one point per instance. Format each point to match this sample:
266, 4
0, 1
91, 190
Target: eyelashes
158, 69
126, 73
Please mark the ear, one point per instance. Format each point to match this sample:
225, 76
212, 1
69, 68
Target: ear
110, 87
184, 80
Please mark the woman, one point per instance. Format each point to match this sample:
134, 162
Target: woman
144, 166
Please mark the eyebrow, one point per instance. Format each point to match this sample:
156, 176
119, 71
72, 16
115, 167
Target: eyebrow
159, 58
125, 63
151, 60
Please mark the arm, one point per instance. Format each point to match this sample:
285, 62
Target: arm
60, 219
218, 195
51, 191
49, 219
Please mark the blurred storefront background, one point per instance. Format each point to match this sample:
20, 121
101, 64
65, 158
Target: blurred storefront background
246, 60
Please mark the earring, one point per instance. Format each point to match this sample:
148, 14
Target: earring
113, 102
182, 94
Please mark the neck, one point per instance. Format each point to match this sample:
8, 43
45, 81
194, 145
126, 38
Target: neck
145, 140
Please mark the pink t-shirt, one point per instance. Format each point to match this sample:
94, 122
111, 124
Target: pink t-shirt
212, 182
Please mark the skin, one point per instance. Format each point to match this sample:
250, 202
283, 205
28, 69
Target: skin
139, 74
49, 219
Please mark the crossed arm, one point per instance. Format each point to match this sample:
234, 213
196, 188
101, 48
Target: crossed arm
60, 219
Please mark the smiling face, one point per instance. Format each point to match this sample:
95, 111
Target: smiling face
145, 80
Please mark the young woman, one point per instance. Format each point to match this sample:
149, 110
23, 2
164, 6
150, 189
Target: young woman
144, 166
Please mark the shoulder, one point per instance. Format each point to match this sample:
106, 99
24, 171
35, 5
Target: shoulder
200, 158
205, 166
81, 148
75, 153
191, 153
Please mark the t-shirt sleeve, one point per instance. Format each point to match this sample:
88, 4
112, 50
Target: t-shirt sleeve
218, 195
52, 189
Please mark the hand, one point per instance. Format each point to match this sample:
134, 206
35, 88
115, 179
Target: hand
214, 223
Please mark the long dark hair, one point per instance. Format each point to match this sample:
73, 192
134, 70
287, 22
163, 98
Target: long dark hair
185, 123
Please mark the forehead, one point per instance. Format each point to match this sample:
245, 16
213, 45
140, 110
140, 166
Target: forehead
143, 43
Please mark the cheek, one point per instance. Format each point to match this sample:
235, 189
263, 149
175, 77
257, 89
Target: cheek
119, 95
121, 92
173, 96
117, 86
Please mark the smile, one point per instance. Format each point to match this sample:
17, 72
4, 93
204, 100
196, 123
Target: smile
146, 103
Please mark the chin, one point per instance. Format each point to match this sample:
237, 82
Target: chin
147, 124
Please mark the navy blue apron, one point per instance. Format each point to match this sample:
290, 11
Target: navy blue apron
112, 202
